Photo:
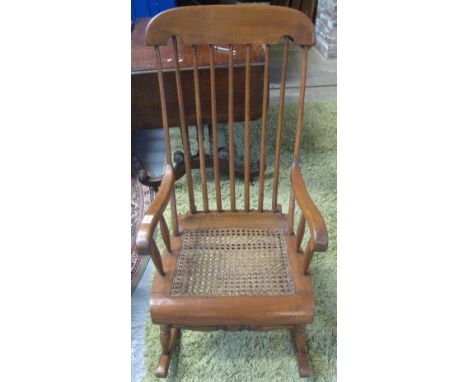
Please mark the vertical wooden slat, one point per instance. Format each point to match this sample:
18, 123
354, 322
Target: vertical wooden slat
297, 142
231, 130
183, 126
175, 222
300, 232
309, 253
188, 140
300, 112
156, 257
274, 202
215, 130
165, 233
266, 87
247, 131
201, 145
167, 140
292, 201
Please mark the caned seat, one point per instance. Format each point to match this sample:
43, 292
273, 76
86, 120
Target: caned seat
232, 262
236, 267
223, 275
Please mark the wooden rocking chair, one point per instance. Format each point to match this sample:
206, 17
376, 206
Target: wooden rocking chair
232, 269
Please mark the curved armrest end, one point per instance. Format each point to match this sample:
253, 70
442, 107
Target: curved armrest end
310, 211
155, 211
321, 241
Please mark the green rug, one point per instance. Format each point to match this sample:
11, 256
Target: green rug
247, 356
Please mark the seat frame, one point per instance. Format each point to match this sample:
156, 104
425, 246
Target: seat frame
232, 24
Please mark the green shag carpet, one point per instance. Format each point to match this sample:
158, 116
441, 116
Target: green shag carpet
252, 356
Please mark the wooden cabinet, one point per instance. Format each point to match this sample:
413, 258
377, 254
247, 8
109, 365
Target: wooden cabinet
146, 106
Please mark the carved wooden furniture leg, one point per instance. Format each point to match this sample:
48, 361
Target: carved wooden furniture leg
168, 337
150, 181
299, 337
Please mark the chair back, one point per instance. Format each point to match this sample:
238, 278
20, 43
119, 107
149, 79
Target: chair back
232, 26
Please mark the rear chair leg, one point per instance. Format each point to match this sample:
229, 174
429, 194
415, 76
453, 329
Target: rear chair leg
168, 337
299, 337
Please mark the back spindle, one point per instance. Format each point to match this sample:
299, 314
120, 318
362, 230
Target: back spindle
183, 126
215, 130
167, 140
266, 86
201, 145
274, 201
297, 142
247, 132
231, 129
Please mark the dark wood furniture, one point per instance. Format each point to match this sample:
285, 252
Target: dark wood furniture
309, 7
146, 106
235, 268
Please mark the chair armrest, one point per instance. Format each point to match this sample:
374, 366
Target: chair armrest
312, 215
155, 212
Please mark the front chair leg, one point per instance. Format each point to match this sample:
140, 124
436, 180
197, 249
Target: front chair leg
168, 337
299, 337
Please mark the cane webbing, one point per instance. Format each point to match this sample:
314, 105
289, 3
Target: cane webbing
232, 262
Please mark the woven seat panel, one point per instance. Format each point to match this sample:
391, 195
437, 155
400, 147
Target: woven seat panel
232, 262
